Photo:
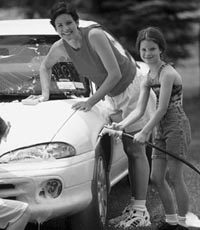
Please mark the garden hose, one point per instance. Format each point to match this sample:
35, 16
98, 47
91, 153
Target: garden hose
120, 133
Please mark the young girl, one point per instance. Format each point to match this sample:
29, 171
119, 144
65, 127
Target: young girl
172, 127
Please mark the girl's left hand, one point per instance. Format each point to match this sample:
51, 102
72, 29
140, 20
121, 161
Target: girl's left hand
82, 105
140, 137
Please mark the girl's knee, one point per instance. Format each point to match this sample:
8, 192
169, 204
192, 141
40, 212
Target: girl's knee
175, 175
175, 179
157, 180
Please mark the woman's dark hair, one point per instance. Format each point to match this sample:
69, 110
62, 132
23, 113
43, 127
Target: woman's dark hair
63, 8
151, 34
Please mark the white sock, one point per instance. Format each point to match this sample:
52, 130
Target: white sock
139, 204
171, 219
182, 221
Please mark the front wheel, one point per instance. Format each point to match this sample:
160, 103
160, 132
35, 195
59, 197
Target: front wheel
95, 215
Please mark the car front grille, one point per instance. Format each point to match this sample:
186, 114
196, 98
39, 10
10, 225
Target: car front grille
18, 188
6, 187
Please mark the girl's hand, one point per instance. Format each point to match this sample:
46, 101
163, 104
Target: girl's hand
82, 105
140, 137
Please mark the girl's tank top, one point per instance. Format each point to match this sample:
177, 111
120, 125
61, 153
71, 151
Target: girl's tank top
88, 63
176, 94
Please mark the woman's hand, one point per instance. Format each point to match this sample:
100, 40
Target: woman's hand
40, 98
34, 99
82, 105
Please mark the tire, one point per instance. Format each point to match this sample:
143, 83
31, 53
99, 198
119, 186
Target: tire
95, 215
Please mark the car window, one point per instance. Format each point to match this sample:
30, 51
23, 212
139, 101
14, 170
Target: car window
20, 59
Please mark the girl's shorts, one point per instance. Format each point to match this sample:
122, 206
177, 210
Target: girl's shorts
173, 134
126, 102
11, 211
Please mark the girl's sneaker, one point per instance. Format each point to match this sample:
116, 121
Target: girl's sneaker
166, 226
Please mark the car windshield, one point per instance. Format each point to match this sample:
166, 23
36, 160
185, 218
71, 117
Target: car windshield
20, 59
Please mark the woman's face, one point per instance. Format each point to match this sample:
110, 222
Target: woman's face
150, 52
66, 27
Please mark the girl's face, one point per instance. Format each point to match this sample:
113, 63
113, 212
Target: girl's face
150, 52
66, 27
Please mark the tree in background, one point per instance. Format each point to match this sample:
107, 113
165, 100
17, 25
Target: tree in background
176, 19
124, 18
31, 8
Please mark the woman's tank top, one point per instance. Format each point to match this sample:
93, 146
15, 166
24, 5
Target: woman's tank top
88, 63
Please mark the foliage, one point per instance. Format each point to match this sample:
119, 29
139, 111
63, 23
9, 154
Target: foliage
175, 18
125, 18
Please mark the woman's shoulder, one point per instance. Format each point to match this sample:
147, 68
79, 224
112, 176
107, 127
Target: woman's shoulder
57, 48
57, 44
91, 29
95, 32
56, 53
97, 38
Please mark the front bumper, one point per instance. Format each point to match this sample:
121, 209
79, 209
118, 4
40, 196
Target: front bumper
24, 181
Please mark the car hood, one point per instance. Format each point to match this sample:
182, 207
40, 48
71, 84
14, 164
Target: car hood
52, 121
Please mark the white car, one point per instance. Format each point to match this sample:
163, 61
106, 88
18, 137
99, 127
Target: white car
53, 157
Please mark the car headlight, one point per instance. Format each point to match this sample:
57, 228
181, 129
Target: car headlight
60, 150
56, 150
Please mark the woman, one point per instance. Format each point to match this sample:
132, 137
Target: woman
98, 56
172, 127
